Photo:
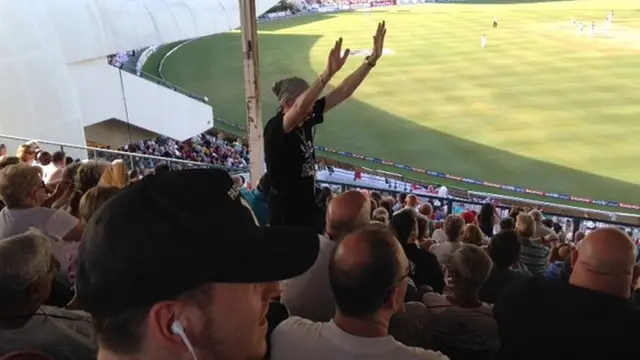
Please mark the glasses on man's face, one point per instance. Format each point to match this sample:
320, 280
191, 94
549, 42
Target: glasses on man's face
411, 270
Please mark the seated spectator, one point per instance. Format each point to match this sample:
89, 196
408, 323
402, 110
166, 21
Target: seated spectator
462, 326
427, 211
387, 204
368, 274
453, 227
309, 295
404, 226
26, 154
115, 175
68, 175
541, 230
27, 269
469, 217
381, 215
22, 190
87, 176
90, 202
161, 168
258, 199
533, 255
507, 224
559, 268
504, 251
52, 173
134, 175
8, 160
536, 316
215, 287
472, 235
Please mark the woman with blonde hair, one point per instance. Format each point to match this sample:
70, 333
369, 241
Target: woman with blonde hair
23, 192
90, 202
472, 235
115, 176
26, 154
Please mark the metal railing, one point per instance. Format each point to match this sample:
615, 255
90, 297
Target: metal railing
133, 160
570, 223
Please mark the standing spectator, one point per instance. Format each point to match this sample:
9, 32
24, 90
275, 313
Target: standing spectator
289, 150
536, 317
161, 285
369, 274
3, 149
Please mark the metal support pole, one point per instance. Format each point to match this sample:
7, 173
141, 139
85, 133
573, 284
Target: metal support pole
252, 87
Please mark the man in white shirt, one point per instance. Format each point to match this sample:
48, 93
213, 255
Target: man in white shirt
368, 273
309, 295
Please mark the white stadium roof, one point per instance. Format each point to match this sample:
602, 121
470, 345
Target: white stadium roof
41, 40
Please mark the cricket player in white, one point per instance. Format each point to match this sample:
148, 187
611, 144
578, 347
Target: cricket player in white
593, 28
483, 41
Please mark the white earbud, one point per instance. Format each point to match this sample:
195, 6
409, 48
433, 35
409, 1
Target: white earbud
178, 329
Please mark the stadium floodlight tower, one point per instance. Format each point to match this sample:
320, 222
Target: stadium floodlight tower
252, 86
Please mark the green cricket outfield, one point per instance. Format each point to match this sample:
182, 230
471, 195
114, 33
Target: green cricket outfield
542, 106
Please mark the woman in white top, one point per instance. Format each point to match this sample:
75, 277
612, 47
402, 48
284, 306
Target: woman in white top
23, 192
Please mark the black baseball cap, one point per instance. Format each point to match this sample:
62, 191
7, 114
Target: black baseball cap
172, 232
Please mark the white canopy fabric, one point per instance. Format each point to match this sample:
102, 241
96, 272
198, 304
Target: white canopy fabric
39, 39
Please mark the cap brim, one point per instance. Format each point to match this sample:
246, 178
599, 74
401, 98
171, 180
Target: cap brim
279, 253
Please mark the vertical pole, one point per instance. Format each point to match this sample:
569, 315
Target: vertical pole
252, 86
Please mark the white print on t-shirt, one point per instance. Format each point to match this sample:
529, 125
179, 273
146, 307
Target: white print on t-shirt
308, 168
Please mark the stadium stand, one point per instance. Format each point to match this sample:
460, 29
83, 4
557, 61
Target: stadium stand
153, 251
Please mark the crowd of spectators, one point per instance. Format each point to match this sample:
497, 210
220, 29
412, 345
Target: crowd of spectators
95, 262
205, 148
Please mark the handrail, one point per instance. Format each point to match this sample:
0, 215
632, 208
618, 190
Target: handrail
124, 153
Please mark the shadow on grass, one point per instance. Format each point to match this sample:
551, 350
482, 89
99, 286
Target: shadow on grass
212, 66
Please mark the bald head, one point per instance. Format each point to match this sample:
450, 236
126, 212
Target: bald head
346, 212
412, 201
426, 209
364, 266
606, 262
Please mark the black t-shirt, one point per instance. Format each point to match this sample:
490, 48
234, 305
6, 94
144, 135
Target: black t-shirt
290, 157
540, 319
500, 279
427, 267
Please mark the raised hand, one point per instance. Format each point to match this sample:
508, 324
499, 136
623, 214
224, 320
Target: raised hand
378, 43
336, 58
